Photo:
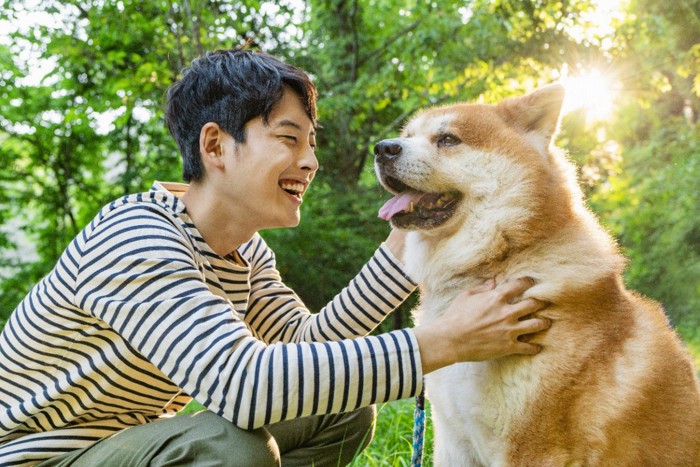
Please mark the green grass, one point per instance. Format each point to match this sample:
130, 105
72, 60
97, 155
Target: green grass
393, 436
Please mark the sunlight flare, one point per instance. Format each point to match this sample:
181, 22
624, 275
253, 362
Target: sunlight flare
591, 91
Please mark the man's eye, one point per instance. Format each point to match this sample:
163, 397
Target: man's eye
447, 140
290, 138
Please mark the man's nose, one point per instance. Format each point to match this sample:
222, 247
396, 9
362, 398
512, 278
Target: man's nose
309, 161
387, 149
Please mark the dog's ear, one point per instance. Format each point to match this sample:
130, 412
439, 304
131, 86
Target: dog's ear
537, 112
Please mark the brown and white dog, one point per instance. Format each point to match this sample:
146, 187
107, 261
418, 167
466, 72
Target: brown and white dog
484, 194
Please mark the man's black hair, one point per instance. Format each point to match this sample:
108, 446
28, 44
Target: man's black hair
229, 87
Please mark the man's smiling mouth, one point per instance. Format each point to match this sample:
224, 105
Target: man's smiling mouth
294, 188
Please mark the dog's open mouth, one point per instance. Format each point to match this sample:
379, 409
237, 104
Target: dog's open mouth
415, 209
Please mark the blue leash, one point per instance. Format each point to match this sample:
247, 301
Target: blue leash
418, 431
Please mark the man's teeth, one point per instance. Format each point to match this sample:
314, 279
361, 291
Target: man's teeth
295, 188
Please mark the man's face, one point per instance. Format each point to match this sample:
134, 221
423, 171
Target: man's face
268, 175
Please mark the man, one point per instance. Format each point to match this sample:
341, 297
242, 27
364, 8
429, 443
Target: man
172, 294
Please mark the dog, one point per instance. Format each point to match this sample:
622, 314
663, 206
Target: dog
483, 193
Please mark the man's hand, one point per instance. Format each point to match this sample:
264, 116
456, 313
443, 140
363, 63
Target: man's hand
481, 324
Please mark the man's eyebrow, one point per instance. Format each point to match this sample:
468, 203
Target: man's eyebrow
291, 123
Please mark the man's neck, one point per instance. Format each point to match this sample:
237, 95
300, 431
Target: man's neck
214, 221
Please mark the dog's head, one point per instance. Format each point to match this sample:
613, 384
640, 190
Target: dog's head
450, 160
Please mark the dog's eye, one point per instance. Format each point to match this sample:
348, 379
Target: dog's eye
447, 140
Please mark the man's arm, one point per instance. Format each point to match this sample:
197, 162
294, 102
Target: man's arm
140, 278
277, 313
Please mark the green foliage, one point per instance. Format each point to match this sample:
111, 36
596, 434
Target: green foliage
649, 194
92, 129
335, 231
653, 206
376, 63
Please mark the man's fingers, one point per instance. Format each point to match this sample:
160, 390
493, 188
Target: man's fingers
485, 286
527, 349
528, 306
533, 325
512, 289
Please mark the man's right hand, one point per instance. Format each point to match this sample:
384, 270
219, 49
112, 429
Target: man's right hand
482, 323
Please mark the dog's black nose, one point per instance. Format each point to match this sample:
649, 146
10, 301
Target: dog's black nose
387, 149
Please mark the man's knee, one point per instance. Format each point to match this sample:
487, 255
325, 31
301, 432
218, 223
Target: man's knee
201, 439
208, 439
360, 427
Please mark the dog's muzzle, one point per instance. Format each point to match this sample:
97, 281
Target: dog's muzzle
410, 208
387, 150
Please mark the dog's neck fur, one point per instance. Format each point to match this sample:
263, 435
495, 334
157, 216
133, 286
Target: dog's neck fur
496, 244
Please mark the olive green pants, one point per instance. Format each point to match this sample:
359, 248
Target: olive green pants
205, 439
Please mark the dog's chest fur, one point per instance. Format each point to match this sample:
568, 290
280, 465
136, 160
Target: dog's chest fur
484, 402
480, 409
484, 399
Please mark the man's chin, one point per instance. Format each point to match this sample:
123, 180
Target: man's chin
293, 221
287, 223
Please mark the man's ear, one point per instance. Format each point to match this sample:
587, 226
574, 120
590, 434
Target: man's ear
211, 144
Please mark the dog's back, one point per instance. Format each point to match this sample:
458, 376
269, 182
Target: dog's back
613, 385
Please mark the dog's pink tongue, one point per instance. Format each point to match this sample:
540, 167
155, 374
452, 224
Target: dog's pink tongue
398, 203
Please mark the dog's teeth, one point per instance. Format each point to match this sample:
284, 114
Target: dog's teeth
410, 207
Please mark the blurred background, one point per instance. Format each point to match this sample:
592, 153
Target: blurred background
82, 88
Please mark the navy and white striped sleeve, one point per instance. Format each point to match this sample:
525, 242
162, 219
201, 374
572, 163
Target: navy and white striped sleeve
277, 314
137, 274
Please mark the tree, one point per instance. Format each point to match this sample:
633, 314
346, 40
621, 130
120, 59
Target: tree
93, 128
375, 64
652, 200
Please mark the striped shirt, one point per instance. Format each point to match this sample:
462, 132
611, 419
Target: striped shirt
140, 315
